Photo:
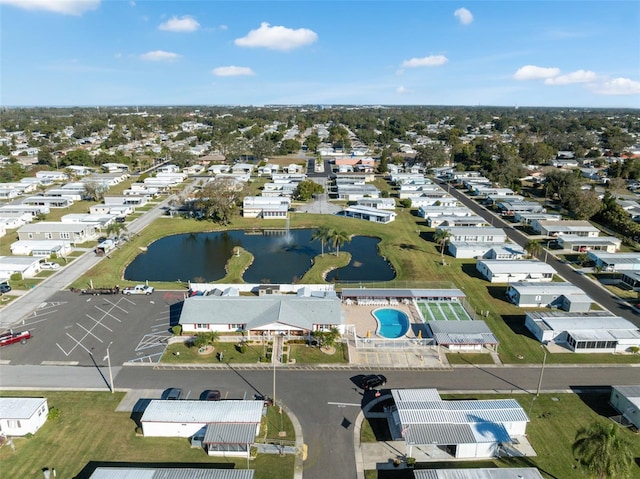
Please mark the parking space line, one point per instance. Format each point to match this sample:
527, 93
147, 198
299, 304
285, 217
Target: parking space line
107, 313
78, 343
89, 332
99, 323
117, 305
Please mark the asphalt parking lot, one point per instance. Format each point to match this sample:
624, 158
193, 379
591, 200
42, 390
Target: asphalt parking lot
74, 329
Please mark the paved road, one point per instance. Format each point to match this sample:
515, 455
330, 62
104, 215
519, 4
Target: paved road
326, 413
593, 289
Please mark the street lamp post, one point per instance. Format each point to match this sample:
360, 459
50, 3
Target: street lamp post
544, 361
108, 358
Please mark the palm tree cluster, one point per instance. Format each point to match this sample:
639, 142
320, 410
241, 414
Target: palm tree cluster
441, 237
336, 238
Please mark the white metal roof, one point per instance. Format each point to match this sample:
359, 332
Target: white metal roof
203, 411
19, 407
170, 473
489, 473
498, 266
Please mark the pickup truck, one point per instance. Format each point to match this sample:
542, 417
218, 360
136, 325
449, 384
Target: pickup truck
138, 289
11, 337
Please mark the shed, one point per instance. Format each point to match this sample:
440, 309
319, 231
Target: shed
20, 416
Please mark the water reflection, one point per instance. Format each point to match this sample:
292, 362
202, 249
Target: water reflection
279, 257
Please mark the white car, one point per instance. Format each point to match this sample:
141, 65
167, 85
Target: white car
138, 289
49, 265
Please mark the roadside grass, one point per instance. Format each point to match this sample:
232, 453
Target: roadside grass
89, 430
277, 421
184, 354
407, 244
469, 358
550, 432
304, 354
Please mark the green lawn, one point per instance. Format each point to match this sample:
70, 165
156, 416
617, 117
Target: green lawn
308, 354
89, 430
555, 419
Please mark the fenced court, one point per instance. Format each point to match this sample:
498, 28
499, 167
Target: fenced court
443, 311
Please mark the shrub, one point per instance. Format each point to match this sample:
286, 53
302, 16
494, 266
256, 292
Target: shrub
285, 359
16, 277
54, 413
176, 330
241, 347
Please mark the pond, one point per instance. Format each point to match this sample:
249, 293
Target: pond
280, 256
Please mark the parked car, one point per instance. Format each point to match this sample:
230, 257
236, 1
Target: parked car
4, 288
373, 381
213, 395
174, 394
11, 337
49, 265
138, 289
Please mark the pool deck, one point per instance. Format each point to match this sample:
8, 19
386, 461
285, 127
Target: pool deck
361, 316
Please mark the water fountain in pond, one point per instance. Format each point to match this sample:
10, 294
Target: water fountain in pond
288, 237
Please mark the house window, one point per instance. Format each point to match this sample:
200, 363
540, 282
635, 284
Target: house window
30, 235
538, 298
13, 423
48, 236
236, 326
202, 326
65, 236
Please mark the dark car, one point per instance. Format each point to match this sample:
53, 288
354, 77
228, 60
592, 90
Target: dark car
174, 394
373, 381
213, 395
4, 288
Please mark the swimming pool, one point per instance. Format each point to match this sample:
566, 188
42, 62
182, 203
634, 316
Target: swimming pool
392, 323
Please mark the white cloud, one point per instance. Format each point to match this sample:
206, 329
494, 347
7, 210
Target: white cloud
232, 71
464, 16
579, 76
159, 56
618, 86
532, 72
402, 90
184, 24
66, 7
118, 56
277, 38
430, 61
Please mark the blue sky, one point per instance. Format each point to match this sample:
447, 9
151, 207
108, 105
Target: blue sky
152, 52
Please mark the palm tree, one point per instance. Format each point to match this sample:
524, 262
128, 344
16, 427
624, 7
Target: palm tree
338, 238
533, 247
321, 233
602, 451
441, 237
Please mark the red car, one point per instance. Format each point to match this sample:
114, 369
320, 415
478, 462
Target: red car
11, 337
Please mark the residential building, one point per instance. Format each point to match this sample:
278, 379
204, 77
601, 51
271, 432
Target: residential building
567, 227
369, 214
588, 332
581, 244
20, 416
565, 296
505, 271
50, 230
626, 400
614, 262
265, 207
